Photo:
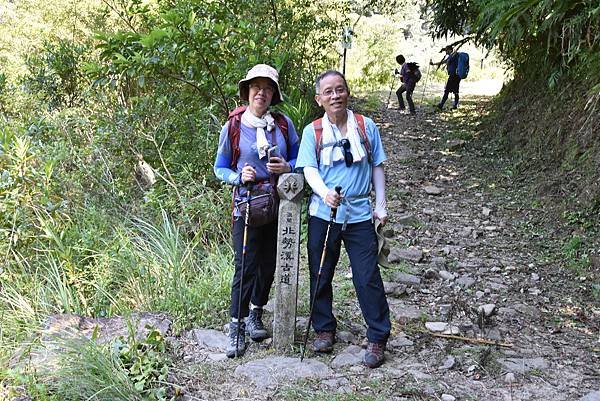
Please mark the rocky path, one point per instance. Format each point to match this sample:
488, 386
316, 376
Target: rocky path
484, 276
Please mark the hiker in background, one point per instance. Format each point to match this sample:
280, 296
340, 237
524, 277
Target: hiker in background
453, 83
409, 76
344, 149
243, 160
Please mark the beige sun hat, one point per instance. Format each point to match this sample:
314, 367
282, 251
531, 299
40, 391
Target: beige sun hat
261, 71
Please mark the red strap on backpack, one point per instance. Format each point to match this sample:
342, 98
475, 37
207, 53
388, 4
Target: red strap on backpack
360, 119
233, 132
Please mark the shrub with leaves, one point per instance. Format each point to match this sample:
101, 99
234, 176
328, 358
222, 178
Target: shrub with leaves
54, 73
146, 363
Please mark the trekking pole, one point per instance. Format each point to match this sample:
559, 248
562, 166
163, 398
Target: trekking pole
332, 215
391, 89
244, 244
425, 86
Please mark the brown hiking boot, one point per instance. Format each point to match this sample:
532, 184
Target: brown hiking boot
374, 356
324, 341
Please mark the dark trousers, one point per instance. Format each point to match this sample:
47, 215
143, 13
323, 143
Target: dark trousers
452, 86
409, 89
259, 265
361, 245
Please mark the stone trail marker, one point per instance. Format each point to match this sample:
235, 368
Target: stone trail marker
290, 189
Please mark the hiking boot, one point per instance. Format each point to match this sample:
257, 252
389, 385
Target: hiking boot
324, 341
237, 338
374, 356
255, 327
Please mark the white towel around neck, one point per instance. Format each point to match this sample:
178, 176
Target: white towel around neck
260, 123
330, 154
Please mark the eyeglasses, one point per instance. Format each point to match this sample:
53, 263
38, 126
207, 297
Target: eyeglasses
345, 144
330, 92
267, 88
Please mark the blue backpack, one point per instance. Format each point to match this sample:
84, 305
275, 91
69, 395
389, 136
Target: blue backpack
463, 65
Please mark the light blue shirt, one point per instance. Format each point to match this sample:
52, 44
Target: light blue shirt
354, 180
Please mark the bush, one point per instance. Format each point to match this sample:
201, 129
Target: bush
55, 75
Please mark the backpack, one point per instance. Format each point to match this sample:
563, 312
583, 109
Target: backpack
318, 127
233, 132
414, 70
462, 70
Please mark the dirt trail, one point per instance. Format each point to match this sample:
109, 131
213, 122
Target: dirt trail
483, 238
474, 263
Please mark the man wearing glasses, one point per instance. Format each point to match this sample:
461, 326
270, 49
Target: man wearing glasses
344, 149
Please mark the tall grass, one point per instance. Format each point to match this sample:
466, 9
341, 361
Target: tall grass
87, 371
27, 299
168, 272
56, 293
145, 267
157, 278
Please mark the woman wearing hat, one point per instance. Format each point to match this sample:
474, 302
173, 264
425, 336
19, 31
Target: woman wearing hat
243, 160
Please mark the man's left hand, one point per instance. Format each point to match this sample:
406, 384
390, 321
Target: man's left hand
381, 215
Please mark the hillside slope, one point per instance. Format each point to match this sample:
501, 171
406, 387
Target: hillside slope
553, 139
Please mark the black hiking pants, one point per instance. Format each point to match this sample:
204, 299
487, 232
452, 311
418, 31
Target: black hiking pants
452, 86
259, 265
409, 89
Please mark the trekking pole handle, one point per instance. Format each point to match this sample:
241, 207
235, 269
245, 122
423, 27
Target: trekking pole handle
247, 184
333, 212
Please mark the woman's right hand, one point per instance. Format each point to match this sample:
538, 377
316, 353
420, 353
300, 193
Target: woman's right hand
248, 174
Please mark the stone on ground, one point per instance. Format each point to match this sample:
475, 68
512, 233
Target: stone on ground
523, 365
211, 339
273, 370
487, 309
593, 396
436, 327
402, 312
410, 255
352, 355
433, 190
63, 327
408, 279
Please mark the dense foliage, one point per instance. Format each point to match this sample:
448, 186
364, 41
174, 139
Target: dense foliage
94, 95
